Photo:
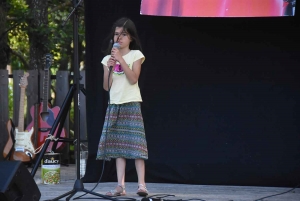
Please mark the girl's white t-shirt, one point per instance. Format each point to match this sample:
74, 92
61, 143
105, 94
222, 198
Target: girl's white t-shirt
121, 90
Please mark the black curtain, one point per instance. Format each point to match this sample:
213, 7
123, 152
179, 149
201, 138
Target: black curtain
220, 97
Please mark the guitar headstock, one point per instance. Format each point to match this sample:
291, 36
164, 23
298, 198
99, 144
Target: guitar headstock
24, 81
48, 59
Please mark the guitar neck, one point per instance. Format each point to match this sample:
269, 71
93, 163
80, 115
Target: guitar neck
45, 90
21, 111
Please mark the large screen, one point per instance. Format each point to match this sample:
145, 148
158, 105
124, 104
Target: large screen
218, 8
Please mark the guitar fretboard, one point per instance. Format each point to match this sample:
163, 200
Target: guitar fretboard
23, 84
21, 110
45, 90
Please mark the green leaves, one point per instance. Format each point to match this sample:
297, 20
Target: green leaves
49, 33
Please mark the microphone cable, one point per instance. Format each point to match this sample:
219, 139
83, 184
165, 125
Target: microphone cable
261, 199
160, 197
109, 108
108, 118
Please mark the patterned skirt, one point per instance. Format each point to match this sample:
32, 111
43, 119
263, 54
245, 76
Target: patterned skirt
123, 134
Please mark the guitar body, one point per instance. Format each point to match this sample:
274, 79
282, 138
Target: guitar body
24, 148
44, 126
20, 143
10, 141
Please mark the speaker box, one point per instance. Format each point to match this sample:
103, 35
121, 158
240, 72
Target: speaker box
16, 183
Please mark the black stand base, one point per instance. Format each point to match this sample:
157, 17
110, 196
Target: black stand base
78, 187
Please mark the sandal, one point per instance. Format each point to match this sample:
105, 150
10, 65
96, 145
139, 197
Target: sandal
142, 190
115, 192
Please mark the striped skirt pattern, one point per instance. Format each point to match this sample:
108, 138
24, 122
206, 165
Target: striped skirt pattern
123, 134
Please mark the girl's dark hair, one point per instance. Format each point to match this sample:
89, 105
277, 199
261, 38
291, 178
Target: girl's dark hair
128, 26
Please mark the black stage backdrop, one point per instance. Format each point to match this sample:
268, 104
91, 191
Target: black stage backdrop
221, 97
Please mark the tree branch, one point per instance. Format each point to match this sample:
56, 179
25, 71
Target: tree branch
21, 58
9, 18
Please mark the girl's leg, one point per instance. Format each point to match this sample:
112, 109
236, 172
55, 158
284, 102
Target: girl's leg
140, 169
120, 189
120, 165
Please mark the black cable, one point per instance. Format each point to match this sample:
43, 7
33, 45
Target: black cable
162, 196
104, 141
194, 199
260, 199
108, 115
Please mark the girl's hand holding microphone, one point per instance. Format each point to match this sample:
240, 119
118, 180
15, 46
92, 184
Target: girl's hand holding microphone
115, 53
111, 62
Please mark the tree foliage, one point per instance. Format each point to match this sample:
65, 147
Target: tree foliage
36, 27
31, 28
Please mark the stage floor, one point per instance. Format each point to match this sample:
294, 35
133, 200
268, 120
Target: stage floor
180, 191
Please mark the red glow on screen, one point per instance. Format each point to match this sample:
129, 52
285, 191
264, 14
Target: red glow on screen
215, 8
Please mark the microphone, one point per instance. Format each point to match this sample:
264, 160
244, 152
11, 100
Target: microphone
116, 45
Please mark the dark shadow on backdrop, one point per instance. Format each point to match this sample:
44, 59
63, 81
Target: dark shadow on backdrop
221, 97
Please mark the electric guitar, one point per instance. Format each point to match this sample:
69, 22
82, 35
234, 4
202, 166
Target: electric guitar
47, 115
20, 143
